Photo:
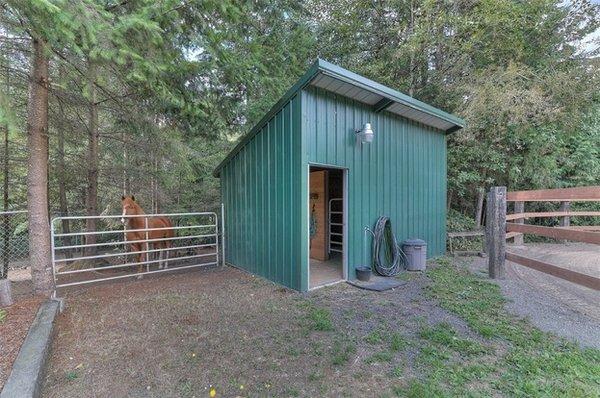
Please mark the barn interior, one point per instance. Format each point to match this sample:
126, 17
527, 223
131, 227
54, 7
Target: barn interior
326, 226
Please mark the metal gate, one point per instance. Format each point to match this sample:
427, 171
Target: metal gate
82, 256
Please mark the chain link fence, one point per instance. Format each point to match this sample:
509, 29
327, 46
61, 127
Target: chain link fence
14, 240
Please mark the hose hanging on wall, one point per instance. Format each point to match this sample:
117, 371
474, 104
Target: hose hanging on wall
384, 240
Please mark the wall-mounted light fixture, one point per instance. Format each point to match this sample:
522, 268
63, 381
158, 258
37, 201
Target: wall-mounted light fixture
365, 135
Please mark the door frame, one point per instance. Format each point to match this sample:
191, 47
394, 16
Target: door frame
345, 190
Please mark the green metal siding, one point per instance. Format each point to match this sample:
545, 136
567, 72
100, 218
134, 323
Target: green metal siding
402, 174
262, 190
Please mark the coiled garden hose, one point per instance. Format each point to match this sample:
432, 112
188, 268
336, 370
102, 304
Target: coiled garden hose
393, 259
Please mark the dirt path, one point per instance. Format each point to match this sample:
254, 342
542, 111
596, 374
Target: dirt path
553, 304
177, 335
19, 316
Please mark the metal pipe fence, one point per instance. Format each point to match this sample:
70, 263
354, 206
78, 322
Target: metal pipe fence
81, 256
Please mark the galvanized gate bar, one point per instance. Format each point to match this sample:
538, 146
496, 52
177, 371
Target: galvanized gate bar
120, 231
190, 250
133, 241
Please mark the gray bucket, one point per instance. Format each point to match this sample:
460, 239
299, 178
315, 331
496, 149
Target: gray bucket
416, 254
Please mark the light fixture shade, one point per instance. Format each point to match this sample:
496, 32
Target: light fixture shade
367, 133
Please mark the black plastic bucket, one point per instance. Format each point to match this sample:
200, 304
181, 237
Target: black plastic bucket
363, 273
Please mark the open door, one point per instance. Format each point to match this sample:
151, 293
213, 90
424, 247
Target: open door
327, 226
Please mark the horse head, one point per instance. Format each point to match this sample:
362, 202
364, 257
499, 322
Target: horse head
129, 207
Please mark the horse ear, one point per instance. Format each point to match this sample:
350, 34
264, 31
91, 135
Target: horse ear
133, 198
123, 197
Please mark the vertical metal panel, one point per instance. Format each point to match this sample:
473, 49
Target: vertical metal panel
262, 193
402, 174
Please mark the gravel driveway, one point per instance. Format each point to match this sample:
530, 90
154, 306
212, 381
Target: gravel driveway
553, 304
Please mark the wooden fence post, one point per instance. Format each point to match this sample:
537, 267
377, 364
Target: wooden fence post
519, 208
566, 220
495, 232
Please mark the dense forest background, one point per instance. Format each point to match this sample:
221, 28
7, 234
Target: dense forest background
146, 97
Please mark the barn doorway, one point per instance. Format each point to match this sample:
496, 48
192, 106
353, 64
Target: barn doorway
327, 226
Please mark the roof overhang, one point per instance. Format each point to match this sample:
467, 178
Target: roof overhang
380, 98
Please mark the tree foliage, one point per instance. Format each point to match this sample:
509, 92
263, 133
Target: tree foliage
177, 83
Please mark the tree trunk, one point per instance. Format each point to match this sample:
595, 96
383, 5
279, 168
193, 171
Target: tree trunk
5, 293
62, 192
479, 208
37, 171
126, 187
62, 171
92, 158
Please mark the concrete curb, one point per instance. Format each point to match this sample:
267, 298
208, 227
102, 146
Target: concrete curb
28, 370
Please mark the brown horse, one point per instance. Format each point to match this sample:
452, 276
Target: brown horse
130, 208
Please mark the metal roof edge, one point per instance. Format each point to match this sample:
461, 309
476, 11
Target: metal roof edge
350, 77
321, 66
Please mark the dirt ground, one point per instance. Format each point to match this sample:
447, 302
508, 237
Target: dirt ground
179, 335
17, 321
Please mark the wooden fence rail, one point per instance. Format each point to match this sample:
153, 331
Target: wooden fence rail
579, 194
543, 214
498, 229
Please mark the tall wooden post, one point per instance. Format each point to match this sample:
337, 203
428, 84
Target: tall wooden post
519, 208
495, 232
565, 221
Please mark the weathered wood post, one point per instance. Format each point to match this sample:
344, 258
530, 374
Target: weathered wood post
565, 221
495, 232
519, 208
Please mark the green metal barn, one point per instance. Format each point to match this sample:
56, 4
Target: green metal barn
334, 154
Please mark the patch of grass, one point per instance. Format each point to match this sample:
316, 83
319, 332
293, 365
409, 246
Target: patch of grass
527, 361
292, 392
381, 356
2, 315
433, 357
375, 337
398, 371
398, 342
293, 351
315, 376
317, 348
443, 334
320, 319
342, 351
71, 375
419, 389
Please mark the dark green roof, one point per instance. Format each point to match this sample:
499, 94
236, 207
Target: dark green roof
345, 83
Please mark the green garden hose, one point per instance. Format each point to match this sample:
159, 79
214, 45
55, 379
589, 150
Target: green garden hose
394, 259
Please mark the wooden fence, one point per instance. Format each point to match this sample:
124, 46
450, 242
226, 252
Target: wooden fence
501, 226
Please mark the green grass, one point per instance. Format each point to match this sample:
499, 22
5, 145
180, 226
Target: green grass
381, 356
342, 351
2, 315
398, 342
375, 337
71, 375
511, 357
320, 319
444, 335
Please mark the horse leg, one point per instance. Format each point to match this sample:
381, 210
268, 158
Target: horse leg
142, 257
136, 247
167, 247
160, 255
